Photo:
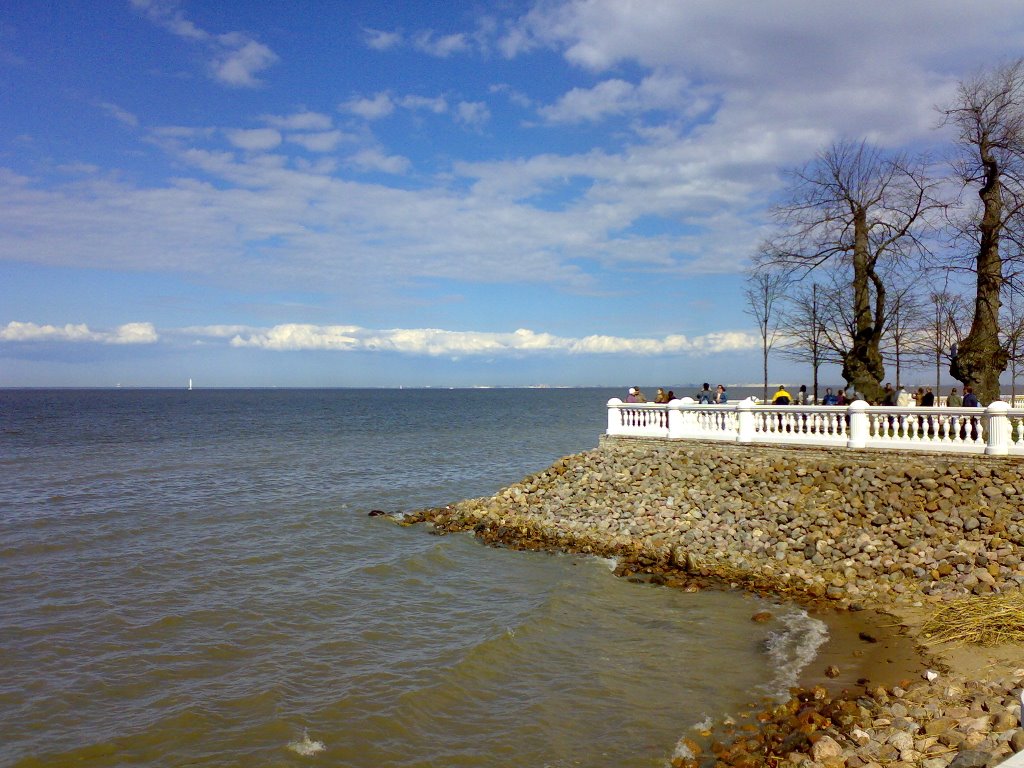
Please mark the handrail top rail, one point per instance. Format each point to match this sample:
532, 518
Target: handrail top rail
687, 403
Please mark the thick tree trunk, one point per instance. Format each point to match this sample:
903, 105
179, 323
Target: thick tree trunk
980, 358
862, 364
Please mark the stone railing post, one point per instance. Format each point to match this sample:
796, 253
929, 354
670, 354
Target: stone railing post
687, 424
745, 421
676, 428
998, 429
614, 417
858, 435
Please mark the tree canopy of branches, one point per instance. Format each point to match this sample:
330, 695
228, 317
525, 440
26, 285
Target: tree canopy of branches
948, 313
988, 114
764, 292
906, 336
862, 208
1012, 335
807, 319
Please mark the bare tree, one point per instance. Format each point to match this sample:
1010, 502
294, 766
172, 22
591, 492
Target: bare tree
764, 292
906, 338
804, 325
988, 114
863, 208
1012, 334
950, 315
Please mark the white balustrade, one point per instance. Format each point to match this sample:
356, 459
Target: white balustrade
997, 430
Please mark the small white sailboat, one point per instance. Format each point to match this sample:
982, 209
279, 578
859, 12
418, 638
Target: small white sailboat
190, 385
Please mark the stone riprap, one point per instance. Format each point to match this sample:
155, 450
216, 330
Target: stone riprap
854, 528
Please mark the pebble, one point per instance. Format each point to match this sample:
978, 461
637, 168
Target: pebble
859, 529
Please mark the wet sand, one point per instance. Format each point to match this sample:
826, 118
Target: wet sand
866, 648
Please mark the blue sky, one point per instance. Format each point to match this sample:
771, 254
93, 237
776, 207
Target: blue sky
426, 193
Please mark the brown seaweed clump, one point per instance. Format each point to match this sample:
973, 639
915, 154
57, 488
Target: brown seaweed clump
978, 620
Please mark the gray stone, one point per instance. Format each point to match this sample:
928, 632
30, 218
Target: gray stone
971, 758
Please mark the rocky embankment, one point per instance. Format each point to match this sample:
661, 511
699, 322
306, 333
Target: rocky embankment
857, 529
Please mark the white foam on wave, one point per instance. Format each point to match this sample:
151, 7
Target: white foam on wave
681, 752
703, 725
611, 562
794, 647
307, 747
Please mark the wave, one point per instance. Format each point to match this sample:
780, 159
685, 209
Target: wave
793, 648
306, 746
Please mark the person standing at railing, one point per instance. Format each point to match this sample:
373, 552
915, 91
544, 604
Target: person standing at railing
781, 396
970, 401
635, 396
888, 395
927, 401
705, 396
903, 398
829, 398
661, 397
721, 398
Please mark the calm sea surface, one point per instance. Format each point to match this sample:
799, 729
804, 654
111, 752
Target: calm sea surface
191, 578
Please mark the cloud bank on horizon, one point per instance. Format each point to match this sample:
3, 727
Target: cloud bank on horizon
595, 170
295, 337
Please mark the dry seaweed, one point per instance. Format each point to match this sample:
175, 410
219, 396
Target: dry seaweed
978, 620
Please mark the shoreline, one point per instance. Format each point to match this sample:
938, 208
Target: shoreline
876, 694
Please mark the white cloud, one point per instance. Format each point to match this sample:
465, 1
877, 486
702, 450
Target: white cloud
515, 96
254, 139
381, 40
300, 121
432, 342
240, 59
778, 67
443, 46
167, 14
296, 336
214, 331
472, 113
327, 141
373, 108
123, 116
130, 333
436, 342
374, 160
235, 58
438, 105
608, 97
770, 86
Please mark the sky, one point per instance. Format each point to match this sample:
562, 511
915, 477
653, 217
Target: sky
350, 193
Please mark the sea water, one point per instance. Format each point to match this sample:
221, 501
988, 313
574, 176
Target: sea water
192, 578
